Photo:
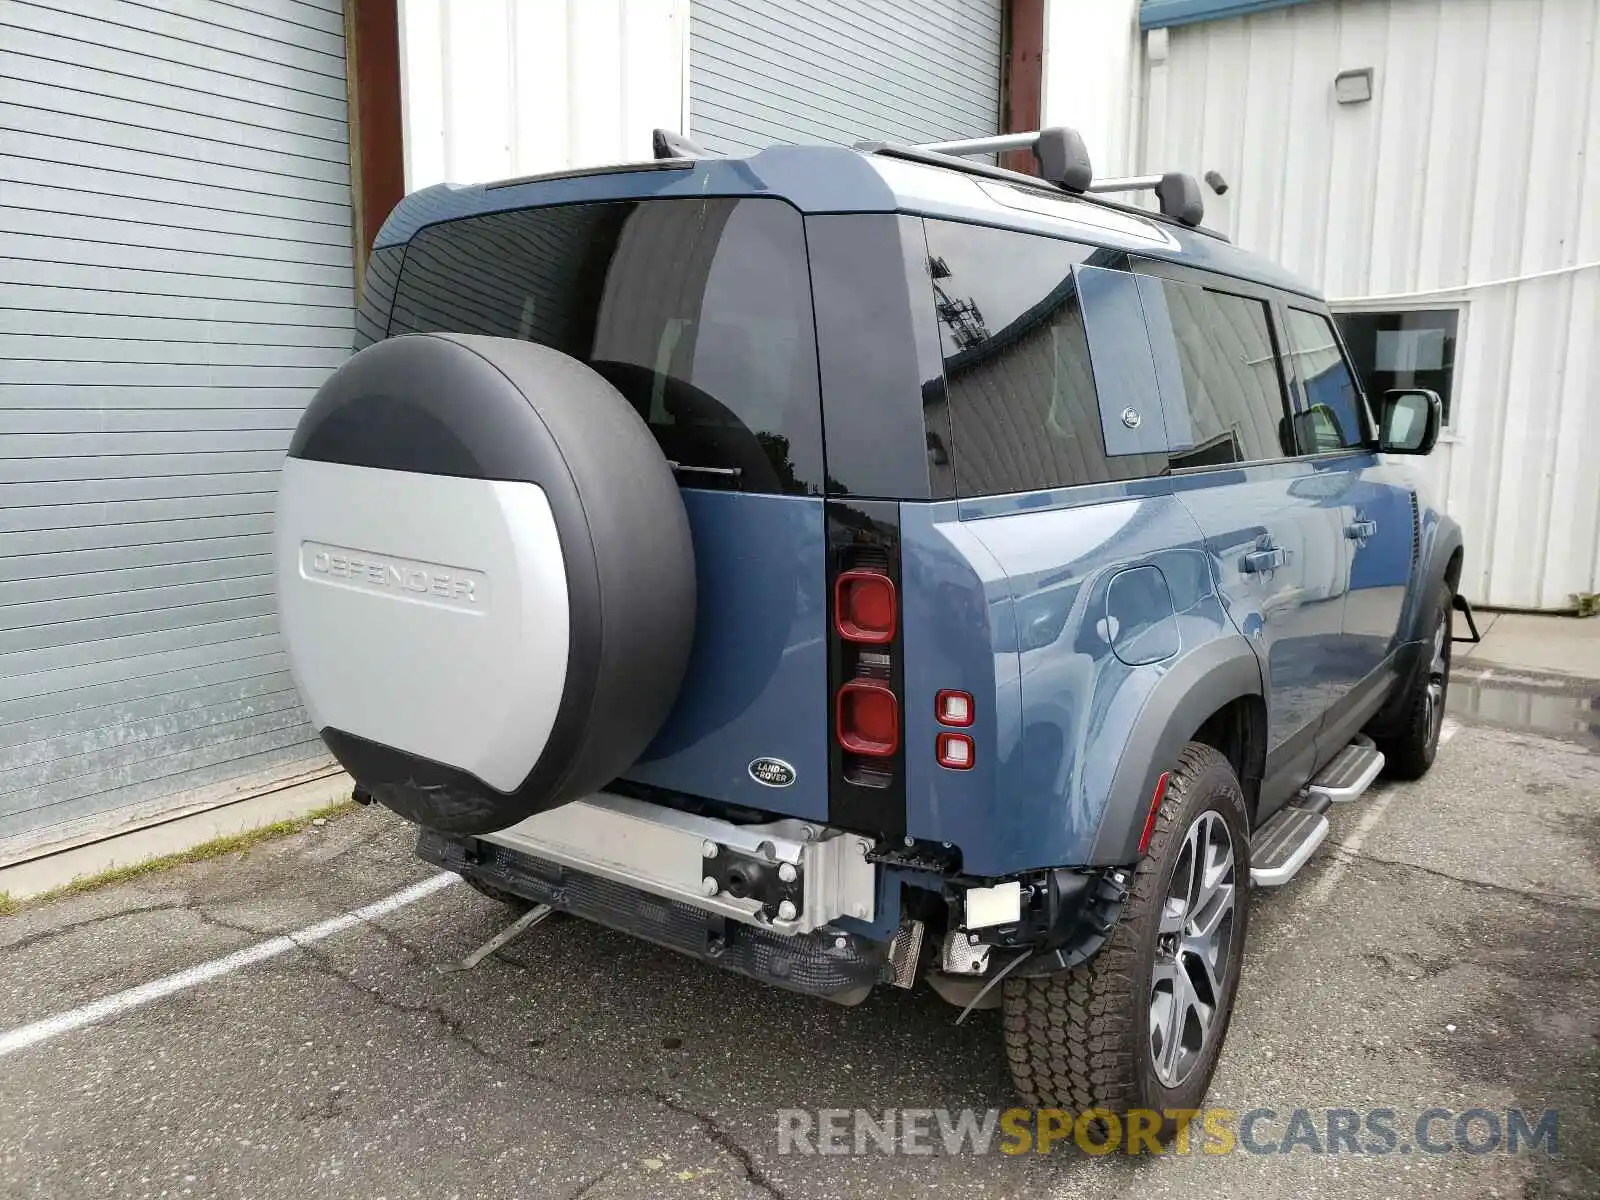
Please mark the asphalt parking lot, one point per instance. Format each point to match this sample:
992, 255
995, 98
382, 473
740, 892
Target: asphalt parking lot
1443, 951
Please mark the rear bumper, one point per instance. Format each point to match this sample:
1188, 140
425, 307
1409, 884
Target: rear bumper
786, 875
825, 963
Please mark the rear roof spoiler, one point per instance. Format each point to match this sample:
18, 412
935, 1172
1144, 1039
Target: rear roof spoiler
664, 143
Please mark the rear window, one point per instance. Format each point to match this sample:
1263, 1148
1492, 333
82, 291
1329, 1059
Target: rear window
698, 311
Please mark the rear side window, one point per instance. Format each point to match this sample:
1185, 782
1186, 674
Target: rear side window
1024, 412
1331, 419
1231, 409
698, 311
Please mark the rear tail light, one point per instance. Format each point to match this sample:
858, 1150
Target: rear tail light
955, 751
864, 607
866, 761
868, 718
953, 708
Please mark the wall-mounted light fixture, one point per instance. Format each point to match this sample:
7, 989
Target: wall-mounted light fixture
1353, 87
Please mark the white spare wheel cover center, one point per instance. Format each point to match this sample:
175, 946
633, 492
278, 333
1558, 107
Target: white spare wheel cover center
425, 612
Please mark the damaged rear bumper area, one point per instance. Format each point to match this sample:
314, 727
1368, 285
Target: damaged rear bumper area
796, 904
755, 899
833, 966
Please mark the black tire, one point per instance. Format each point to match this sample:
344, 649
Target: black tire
1082, 1039
1409, 749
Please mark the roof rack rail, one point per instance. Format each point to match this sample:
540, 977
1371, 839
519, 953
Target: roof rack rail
1064, 161
1063, 158
1177, 193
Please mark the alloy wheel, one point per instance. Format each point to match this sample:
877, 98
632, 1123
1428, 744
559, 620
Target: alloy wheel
1438, 681
1193, 941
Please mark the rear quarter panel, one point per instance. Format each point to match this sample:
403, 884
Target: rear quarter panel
1010, 598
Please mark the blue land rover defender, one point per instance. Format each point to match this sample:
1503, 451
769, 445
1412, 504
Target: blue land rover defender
861, 567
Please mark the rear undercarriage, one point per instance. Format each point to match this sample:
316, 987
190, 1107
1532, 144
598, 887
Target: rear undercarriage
795, 904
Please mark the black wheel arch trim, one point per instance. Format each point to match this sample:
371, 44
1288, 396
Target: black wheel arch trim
1438, 550
1197, 685
1412, 655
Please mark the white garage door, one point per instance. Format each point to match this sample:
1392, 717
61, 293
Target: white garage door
175, 281
842, 71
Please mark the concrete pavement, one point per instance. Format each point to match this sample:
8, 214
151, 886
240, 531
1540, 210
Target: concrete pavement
1442, 950
1520, 643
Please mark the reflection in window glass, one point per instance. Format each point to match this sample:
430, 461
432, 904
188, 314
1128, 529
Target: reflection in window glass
1233, 394
697, 311
1331, 416
1414, 349
1024, 414
1406, 424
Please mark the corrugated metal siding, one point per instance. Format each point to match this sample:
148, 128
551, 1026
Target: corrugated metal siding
497, 88
842, 71
1477, 160
175, 281
1093, 88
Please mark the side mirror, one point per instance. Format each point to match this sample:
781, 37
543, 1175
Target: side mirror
1410, 421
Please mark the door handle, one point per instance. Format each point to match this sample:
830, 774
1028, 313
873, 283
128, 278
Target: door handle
1360, 530
1259, 561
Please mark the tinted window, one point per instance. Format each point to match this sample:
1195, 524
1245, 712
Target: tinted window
1415, 349
1023, 410
698, 311
1231, 409
1331, 417
377, 294
879, 356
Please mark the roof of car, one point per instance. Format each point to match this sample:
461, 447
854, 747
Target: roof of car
835, 179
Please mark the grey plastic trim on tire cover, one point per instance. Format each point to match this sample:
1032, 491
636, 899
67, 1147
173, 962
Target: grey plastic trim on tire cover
486, 579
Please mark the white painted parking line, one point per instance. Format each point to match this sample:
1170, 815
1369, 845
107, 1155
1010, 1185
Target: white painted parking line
1376, 807
120, 1002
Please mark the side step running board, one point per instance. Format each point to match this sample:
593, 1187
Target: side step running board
1283, 845
1351, 772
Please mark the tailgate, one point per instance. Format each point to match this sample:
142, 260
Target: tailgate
757, 684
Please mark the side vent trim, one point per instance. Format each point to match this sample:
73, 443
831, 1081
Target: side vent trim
1416, 534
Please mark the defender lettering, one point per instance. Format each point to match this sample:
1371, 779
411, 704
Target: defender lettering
452, 586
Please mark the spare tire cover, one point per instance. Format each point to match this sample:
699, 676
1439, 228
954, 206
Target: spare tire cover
485, 577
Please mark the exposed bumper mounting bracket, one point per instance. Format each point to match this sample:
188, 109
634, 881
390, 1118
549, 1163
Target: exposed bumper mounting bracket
789, 876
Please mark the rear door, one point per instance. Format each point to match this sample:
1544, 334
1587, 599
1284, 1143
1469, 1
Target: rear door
1273, 537
699, 312
1376, 509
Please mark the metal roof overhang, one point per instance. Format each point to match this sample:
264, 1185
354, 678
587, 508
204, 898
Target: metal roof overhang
1159, 14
